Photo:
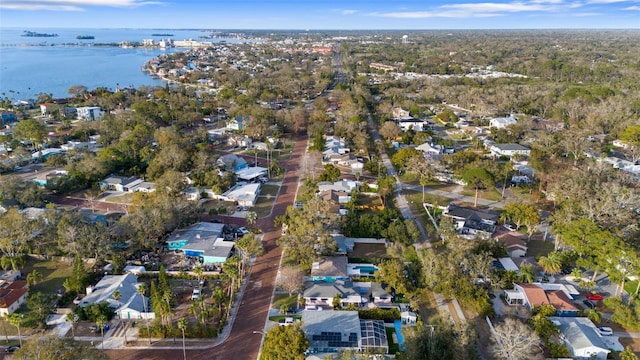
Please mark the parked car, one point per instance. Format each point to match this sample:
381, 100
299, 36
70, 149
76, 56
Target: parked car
12, 348
196, 294
595, 297
605, 331
509, 227
590, 304
286, 321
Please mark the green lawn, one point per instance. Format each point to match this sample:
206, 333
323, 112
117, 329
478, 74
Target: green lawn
122, 199
263, 206
490, 194
284, 299
393, 347
539, 248
53, 274
271, 190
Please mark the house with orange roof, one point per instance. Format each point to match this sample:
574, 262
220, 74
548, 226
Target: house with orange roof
12, 295
532, 295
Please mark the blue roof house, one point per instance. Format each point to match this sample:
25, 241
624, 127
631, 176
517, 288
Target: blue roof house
202, 240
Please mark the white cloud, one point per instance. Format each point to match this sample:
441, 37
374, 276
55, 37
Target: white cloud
70, 5
487, 9
348, 12
605, 1
632, 8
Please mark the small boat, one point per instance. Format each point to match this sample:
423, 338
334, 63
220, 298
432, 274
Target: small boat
161, 34
85, 37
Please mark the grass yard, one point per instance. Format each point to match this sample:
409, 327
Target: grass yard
122, 199
53, 274
284, 299
416, 197
490, 194
539, 248
394, 347
263, 206
271, 190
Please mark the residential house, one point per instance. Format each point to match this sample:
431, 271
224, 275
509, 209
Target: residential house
516, 245
130, 303
43, 177
89, 113
398, 112
336, 199
379, 296
509, 150
330, 269
344, 244
119, 183
340, 185
238, 123
408, 318
582, 338
203, 241
430, 150
250, 173
333, 331
321, 294
13, 293
470, 222
239, 140
502, 122
532, 295
411, 123
44, 154
232, 162
7, 117
48, 108
243, 194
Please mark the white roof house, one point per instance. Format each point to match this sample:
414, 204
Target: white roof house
581, 337
130, 304
244, 194
502, 122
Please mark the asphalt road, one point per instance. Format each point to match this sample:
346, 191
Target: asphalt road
242, 343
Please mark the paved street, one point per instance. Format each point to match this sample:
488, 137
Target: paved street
241, 342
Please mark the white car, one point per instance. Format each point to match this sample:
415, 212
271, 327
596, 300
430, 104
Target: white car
196, 294
509, 227
605, 331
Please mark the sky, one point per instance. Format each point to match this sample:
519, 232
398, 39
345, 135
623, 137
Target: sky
322, 14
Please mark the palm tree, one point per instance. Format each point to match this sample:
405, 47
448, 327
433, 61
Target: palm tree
594, 315
101, 321
551, 264
198, 271
72, 318
33, 278
182, 325
16, 320
142, 289
526, 273
251, 217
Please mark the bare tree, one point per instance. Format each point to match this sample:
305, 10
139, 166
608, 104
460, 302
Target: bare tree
311, 164
514, 339
291, 279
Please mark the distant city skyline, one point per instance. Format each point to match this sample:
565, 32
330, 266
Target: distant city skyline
320, 15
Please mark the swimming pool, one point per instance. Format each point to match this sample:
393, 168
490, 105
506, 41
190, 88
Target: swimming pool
398, 325
369, 269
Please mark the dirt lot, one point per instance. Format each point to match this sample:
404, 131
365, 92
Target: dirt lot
369, 251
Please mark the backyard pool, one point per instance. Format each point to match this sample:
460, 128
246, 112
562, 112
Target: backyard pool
398, 325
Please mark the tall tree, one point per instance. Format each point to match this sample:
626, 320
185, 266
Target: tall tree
182, 325
285, 343
478, 178
32, 131
513, 340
